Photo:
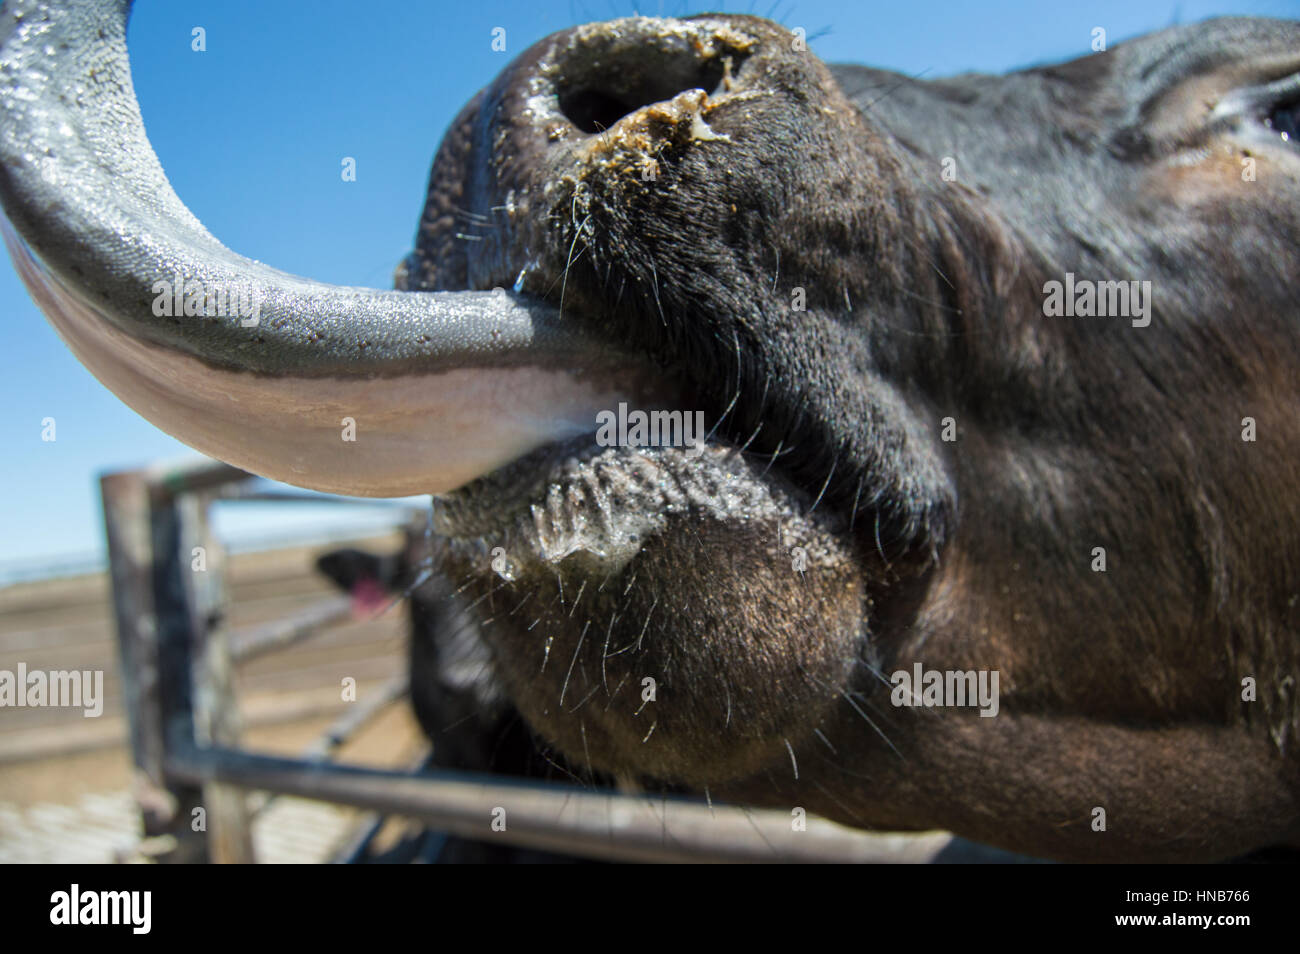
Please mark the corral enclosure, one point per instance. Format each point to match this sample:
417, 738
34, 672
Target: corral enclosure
65, 779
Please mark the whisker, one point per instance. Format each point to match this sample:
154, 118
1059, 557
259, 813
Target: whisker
644, 626
853, 515
585, 699
616, 691
577, 598
577, 649
604, 653
825, 484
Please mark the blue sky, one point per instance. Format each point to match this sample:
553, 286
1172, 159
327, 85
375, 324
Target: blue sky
252, 132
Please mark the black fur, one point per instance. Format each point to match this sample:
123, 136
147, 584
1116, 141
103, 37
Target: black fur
1121, 689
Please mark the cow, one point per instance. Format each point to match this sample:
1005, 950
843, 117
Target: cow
459, 707
993, 524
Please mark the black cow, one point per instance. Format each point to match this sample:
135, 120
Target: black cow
993, 522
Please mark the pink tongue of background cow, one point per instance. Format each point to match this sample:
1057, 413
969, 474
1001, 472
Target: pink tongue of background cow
346, 390
369, 598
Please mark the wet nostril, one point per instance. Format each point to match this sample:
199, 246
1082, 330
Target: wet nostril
596, 98
593, 111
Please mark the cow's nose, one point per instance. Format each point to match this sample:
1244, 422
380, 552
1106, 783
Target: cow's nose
498, 185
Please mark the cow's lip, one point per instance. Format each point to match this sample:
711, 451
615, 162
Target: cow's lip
492, 502
600, 504
495, 501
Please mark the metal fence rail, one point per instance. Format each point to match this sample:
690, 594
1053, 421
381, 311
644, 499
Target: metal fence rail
177, 660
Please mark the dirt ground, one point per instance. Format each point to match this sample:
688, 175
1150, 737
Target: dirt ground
54, 758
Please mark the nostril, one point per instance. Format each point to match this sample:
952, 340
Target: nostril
594, 111
596, 96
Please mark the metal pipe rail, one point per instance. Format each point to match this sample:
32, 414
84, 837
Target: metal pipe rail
561, 818
254, 641
177, 673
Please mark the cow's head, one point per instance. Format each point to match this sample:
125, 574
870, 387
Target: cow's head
911, 459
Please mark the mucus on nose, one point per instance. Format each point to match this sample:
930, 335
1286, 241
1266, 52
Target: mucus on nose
604, 72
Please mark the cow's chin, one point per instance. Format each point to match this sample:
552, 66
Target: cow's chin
675, 614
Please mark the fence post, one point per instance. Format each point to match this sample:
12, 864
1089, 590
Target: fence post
175, 668
147, 674
214, 709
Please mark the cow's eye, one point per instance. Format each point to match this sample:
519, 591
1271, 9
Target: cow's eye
1284, 119
1270, 109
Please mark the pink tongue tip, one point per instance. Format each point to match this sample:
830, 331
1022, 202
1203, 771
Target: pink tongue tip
368, 598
